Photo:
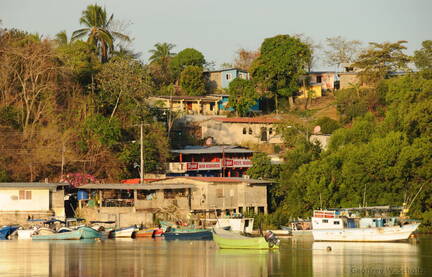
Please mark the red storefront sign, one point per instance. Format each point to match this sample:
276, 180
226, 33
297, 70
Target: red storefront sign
232, 163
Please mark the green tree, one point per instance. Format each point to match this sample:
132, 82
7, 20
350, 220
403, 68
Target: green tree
380, 59
98, 31
192, 80
160, 63
283, 60
80, 59
123, 80
186, 57
62, 38
262, 168
327, 125
423, 58
242, 96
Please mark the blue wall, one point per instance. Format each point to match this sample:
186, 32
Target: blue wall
224, 101
224, 74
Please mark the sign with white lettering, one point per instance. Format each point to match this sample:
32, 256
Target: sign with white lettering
231, 163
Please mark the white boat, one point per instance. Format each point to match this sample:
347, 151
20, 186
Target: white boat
123, 232
334, 226
26, 234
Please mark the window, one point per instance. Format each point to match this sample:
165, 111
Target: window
270, 131
212, 106
240, 209
228, 76
260, 210
325, 220
25, 195
250, 131
318, 79
336, 222
244, 131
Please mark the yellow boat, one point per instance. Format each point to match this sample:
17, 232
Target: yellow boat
230, 240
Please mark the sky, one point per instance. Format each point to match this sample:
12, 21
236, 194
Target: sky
218, 28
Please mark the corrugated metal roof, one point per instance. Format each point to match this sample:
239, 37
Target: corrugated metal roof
228, 180
32, 185
212, 150
137, 186
264, 120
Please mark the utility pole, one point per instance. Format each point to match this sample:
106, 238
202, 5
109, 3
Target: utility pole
142, 153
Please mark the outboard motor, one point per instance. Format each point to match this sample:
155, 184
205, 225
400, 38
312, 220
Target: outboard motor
271, 239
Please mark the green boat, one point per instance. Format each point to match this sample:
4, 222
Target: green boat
230, 240
72, 235
89, 233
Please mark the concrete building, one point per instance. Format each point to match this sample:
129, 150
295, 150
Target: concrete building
227, 195
210, 161
188, 105
241, 130
348, 79
172, 198
129, 204
220, 79
326, 79
19, 201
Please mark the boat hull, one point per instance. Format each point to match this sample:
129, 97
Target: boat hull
89, 233
73, 235
190, 235
122, 233
148, 233
26, 234
393, 233
230, 240
6, 231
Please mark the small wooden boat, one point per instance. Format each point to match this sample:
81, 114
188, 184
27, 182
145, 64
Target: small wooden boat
189, 234
72, 235
230, 240
149, 233
5, 231
123, 232
89, 233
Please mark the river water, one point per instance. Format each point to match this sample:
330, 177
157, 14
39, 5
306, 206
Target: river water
157, 257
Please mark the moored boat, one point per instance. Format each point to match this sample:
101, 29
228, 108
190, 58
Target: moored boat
123, 232
189, 234
149, 233
334, 225
72, 235
89, 233
25, 233
5, 231
230, 240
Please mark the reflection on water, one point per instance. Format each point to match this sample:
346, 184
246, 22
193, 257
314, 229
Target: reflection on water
353, 258
157, 257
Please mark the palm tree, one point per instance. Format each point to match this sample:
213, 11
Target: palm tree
162, 52
62, 38
98, 30
160, 60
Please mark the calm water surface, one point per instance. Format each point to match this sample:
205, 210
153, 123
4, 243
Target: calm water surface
157, 257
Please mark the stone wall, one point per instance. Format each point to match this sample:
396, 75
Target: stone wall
20, 217
123, 216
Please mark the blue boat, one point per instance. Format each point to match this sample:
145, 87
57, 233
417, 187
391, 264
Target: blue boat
6, 231
197, 234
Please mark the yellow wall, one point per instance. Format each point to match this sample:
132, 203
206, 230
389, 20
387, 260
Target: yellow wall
317, 91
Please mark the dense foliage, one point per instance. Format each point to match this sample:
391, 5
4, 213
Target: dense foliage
283, 60
242, 96
377, 161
